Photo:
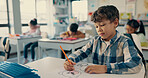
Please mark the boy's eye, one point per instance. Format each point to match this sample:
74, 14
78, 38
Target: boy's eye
96, 26
102, 25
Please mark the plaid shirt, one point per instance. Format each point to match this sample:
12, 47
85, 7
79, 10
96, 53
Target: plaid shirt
120, 55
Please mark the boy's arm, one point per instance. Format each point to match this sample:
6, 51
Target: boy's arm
132, 61
82, 53
80, 35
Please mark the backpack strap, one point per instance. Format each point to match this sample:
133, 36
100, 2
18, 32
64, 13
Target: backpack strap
6, 45
139, 52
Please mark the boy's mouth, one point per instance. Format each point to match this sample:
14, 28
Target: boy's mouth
101, 34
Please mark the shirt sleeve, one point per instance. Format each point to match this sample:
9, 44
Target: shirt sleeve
132, 61
82, 53
36, 33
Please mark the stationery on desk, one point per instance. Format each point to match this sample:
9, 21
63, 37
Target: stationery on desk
66, 44
59, 38
15, 70
53, 68
18, 36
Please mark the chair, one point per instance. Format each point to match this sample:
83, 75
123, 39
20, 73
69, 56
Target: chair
137, 44
4, 48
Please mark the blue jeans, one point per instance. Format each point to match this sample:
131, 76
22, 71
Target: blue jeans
33, 45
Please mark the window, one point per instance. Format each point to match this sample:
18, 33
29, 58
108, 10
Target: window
27, 8
4, 30
3, 12
33, 9
80, 10
41, 11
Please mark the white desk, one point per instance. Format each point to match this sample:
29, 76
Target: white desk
51, 67
145, 52
19, 42
55, 44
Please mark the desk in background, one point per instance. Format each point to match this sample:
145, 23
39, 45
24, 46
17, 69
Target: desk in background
19, 42
55, 44
52, 67
145, 52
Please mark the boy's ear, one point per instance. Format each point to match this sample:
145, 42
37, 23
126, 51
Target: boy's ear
116, 22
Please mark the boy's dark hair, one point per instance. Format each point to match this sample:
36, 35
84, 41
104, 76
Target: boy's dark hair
73, 27
134, 24
108, 12
34, 21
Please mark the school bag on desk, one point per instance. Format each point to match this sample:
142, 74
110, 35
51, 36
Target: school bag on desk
15, 70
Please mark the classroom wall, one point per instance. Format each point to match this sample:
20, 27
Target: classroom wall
139, 8
94, 4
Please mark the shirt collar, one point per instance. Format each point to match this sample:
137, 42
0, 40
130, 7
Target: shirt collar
117, 35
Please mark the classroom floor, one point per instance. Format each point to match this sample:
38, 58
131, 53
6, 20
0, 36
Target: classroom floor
48, 53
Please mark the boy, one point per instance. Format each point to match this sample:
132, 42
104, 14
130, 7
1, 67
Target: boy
73, 33
111, 52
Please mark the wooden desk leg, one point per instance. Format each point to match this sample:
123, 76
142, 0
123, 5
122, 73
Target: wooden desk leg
59, 53
18, 51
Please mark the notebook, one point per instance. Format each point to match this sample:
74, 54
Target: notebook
16, 70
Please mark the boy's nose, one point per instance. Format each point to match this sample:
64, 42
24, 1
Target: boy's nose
99, 29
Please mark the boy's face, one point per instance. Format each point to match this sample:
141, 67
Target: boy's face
106, 29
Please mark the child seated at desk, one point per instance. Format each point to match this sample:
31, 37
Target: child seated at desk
110, 51
73, 33
34, 31
132, 27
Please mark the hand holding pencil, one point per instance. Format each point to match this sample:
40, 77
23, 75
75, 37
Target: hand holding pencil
69, 64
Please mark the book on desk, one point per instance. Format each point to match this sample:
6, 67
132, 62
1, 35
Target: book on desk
59, 38
15, 70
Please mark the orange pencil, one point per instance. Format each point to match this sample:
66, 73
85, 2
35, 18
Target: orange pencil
65, 54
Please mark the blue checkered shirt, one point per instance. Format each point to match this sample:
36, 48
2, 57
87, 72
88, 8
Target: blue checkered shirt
119, 55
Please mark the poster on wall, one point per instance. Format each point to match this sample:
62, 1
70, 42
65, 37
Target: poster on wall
120, 4
92, 5
130, 8
125, 16
131, 1
104, 2
146, 4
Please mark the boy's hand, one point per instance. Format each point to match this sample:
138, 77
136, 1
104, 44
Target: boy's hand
69, 66
96, 69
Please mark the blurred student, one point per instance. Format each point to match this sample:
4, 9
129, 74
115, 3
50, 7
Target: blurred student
110, 51
73, 33
132, 27
34, 31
